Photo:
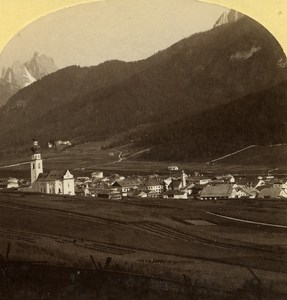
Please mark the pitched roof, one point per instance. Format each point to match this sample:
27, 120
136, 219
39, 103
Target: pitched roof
249, 190
221, 190
128, 182
152, 193
52, 175
42, 176
153, 182
270, 192
139, 193
189, 186
176, 183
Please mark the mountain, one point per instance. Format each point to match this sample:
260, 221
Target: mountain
228, 17
257, 119
195, 75
21, 75
40, 65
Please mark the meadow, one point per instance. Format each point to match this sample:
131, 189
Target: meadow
154, 237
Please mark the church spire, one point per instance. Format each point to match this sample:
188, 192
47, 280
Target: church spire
37, 162
183, 179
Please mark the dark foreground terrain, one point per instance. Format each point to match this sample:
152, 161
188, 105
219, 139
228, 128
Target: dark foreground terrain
57, 247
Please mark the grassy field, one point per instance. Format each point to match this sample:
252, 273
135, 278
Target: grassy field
126, 159
154, 237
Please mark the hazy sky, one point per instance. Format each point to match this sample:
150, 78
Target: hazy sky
128, 30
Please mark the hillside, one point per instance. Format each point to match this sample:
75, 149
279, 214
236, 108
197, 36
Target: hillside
272, 156
197, 74
257, 119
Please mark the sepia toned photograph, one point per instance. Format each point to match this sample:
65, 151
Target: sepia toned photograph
143, 155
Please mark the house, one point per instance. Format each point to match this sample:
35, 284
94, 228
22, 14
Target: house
97, 175
272, 192
10, 183
245, 181
197, 189
111, 194
167, 182
214, 192
139, 194
204, 180
81, 190
61, 145
277, 182
154, 185
174, 195
153, 194
66, 143
83, 180
259, 182
226, 178
244, 192
173, 168
175, 185
126, 185
116, 177
188, 188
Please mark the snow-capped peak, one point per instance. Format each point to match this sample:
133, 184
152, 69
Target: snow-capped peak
29, 77
228, 17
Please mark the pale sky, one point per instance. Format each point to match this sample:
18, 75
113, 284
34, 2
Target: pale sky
128, 30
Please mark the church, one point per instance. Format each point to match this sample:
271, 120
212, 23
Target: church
53, 182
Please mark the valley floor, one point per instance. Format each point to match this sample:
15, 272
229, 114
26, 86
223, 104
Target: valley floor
154, 237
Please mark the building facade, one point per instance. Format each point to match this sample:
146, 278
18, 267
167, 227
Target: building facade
52, 182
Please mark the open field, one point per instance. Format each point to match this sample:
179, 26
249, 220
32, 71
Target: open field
156, 237
126, 159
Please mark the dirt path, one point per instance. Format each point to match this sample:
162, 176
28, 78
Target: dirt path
15, 165
231, 154
247, 221
120, 158
137, 153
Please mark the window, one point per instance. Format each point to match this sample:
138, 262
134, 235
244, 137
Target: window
39, 166
33, 166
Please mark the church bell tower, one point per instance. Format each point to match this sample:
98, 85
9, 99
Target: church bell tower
36, 162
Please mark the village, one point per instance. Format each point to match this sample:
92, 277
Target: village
174, 184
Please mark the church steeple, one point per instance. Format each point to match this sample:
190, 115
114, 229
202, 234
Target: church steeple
183, 179
37, 162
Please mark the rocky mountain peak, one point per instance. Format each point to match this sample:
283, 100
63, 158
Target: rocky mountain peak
40, 65
21, 75
228, 17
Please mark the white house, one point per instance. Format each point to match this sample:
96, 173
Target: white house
98, 174
10, 183
175, 195
173, 168
154, 185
